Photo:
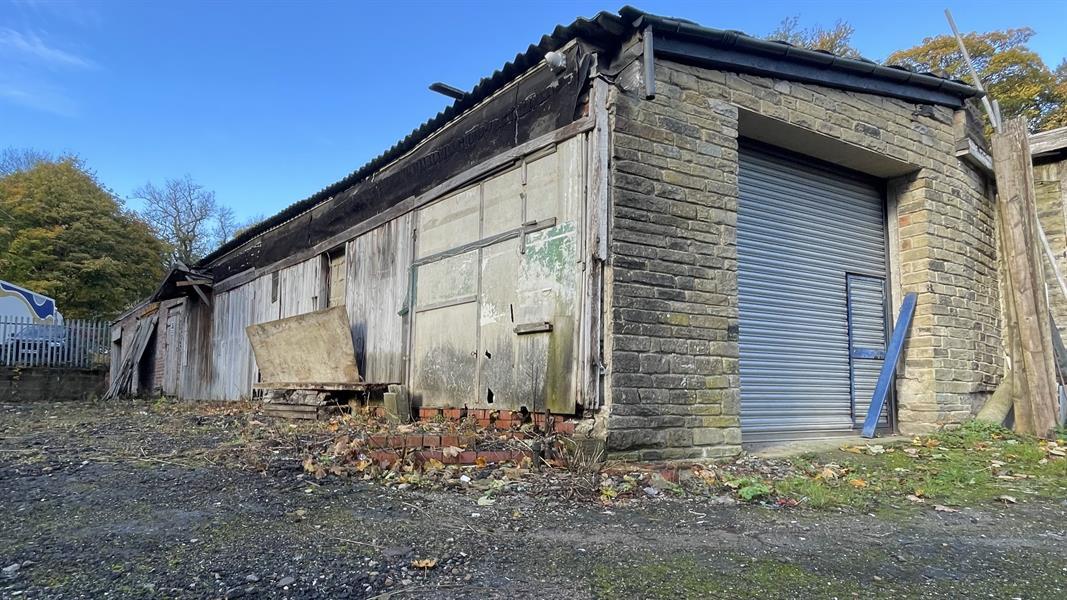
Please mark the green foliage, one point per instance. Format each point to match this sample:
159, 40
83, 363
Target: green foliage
65, 236
814, 493
751, 489
973, 464
1014, 75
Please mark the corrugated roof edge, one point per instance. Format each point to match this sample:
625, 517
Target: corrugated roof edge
602, 27
748, 43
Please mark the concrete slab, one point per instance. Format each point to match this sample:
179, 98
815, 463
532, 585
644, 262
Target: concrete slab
795, 447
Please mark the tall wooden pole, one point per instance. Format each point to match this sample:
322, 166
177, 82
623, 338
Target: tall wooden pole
1034, 372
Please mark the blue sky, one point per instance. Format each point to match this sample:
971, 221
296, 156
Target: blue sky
268, 102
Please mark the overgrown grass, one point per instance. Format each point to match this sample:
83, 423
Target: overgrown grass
973, 464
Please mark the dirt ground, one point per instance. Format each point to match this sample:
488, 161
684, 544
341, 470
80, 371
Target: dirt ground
134, 500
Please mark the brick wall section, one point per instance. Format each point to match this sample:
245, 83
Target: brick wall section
673, 363
46, 384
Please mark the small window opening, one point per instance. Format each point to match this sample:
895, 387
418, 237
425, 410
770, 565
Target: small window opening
489, 395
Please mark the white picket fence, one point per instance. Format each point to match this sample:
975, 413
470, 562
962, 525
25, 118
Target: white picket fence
74, 343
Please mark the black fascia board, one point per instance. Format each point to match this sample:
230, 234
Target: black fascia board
727, 59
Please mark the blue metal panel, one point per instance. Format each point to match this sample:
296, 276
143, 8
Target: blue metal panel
889, 367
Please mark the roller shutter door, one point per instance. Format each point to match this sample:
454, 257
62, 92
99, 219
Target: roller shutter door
811, 252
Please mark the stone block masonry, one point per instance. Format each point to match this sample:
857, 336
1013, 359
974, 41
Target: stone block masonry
674, 388
46, 384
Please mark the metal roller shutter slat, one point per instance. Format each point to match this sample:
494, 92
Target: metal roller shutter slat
801, 229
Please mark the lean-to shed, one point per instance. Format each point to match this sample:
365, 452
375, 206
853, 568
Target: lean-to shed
690, 236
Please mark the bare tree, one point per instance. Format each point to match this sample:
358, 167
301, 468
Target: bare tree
247, 224
186, 216
837, 39
15, 160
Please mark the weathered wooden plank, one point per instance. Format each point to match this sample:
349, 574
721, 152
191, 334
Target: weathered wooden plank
327, 386
1048, 141
465, 178
1035, 406
310, 348
378, 274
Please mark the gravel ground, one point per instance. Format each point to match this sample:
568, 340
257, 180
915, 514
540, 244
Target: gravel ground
131, 500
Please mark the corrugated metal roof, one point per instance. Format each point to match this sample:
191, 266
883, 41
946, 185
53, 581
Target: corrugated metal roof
605, 28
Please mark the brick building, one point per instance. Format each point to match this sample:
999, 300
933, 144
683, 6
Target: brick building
686, 238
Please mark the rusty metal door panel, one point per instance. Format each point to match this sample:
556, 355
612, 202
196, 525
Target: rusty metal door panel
444, 357
547, 291
554, 184
447, 281
502, 203
449, 223
498, 345
495, 327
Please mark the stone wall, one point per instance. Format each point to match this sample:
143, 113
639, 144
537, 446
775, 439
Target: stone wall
1050, 187
673, 355
28, 384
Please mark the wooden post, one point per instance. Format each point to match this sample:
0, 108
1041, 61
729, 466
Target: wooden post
1034, 375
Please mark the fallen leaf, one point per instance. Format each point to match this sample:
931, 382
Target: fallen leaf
1008, 499
943, 508
480, 462
858, 483
876, 449
424, 563
912, 452
451, 451
915, 499
853, 449
931, 443
827, 473
486, 501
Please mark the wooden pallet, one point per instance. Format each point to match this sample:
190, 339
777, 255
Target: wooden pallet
307, 412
